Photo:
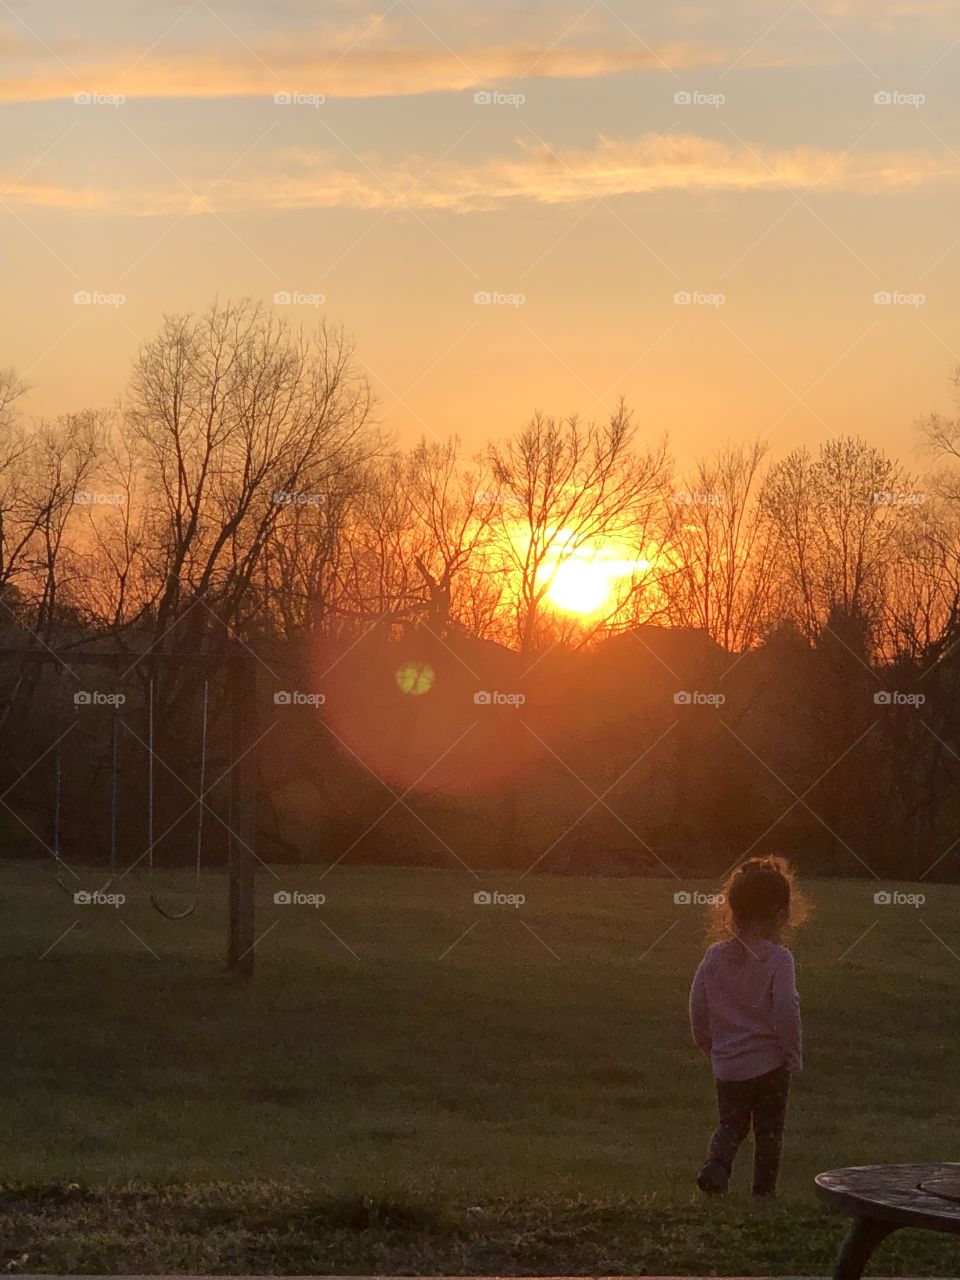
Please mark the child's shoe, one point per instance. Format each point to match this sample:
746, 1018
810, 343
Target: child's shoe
713, 1179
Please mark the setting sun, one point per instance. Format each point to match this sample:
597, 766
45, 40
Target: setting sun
580, 586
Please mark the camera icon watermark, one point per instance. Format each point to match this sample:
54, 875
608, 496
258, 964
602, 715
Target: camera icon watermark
88, 98
697, 898
286, 99
897, 498
895, 898
298, 498
494, 298
296, 698
694, 698
97, 298
696, 298
494, 898
92, 498
494, 698
496, 98
896, 98
897, 298
894, 698
695, 98
297, 898
694, 498
97, 898
94, 698
298, 298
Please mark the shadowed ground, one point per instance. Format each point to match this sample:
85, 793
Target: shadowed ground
414, 1083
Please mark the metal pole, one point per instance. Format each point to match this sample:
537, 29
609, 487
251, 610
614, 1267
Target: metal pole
244, 780
114, 788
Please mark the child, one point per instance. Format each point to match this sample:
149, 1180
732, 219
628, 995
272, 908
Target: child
745, 1013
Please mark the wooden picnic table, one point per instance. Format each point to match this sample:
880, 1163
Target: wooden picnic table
885, 1197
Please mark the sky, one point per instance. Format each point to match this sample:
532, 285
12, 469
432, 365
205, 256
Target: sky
741, 218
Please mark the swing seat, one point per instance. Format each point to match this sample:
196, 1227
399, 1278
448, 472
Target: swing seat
71, 892
172, 915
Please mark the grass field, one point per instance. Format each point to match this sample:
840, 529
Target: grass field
416, 1083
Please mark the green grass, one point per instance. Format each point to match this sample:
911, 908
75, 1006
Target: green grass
394, 1093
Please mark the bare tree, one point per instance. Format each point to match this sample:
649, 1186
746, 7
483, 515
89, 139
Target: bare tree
940, 436
233, 416
922, 596
565, 487
119, 589
63, 459
836, 520
378, 580
42, 475
721, 552
11, 389
301, 585
454, 503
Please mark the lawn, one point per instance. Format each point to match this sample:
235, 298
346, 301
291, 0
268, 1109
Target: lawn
417, 1083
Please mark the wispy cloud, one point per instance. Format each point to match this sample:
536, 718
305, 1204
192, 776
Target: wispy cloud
342, 70
306, 179
868, 13
612, 167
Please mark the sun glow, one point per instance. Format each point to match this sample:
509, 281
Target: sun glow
580, 586
589, 581
584, 579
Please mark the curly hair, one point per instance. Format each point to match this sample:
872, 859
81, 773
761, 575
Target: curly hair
760, 893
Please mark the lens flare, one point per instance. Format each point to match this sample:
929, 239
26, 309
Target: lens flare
415, 678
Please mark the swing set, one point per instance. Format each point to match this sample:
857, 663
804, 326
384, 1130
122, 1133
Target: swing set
240, 685
115, 806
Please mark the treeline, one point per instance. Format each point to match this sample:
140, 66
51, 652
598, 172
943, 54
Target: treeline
242, 491
243, 468
654, 751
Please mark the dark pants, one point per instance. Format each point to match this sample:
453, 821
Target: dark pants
761, 1102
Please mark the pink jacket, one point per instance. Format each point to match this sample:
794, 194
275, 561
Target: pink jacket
745, 1010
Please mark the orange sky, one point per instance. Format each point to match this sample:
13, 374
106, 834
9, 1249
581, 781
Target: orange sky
780, 166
